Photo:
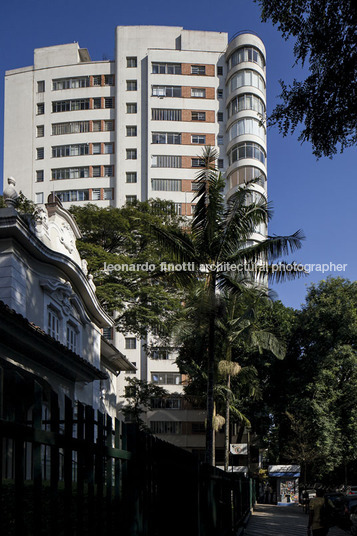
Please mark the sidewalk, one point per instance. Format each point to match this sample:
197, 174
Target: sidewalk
271, 520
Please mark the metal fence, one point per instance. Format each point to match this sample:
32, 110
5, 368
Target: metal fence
82, 474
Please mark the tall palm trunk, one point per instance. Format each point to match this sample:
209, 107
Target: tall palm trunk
227, 424
210, 374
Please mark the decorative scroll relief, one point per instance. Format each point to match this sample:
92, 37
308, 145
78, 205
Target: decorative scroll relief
65, 298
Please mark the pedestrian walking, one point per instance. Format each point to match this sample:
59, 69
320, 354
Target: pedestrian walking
317, 526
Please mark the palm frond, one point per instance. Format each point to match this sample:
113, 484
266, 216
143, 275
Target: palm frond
239, 415
267, 341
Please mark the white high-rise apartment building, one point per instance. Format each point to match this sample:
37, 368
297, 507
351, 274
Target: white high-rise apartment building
110, 132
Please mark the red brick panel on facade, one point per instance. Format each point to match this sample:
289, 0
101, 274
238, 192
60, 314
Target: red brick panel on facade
186, 185
186, 68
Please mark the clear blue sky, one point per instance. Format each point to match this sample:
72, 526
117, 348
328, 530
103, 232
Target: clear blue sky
316, 196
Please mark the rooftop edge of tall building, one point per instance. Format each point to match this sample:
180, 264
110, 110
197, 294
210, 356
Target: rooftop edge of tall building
54, 56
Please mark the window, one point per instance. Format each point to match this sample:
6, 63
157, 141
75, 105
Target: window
197, 162
131, 154
131, 85
70, 150
245, 174
109, 80
219, 70
178, 208
40, 153
247, 101
96, 171
166, 185
198, 69
219, 93
246, 54
66, 196
131, 108
166, 378
108, 194
198, 138
97, 80
40, 131
166, 68
108, 102
40, 108
166, 137
108, 333
220, 140
40, 86
166, 427
39, 198
130, 199
198, 116
108, 125
73, 127
220, 116
39, 175
131, 177
131, 131
195, 186
166, 161
246, 125
131, 61
96, 194
70, 105
96, 148
220, 163
108, 171
161, 353
70, 173
166, 403
53, 324
72, 336
246, 150
97, 103
198, 92
161, 114
166, 91
70, 83
247, 78
108, 148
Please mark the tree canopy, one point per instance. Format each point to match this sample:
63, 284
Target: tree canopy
142, 298
325, 103
313, 391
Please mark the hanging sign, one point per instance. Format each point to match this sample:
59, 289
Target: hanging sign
239, 448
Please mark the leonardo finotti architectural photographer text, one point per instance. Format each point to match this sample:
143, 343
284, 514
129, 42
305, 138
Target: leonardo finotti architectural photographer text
225, 267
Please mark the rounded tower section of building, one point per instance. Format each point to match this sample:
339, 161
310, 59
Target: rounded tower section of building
246, 110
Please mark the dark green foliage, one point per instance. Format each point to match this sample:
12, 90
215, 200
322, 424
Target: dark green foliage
325, 103
143, 299
139, 394
315, 388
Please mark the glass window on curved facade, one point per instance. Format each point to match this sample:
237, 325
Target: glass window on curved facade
244, 175
248, 101
247, 78
246, 150
247, 125
246, 54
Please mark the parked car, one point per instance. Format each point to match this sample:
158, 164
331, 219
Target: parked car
343, 510
351, 490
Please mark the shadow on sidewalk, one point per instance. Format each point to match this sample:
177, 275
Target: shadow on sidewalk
271, 520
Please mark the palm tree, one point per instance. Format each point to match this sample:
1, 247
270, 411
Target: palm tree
239, 323
219, 234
